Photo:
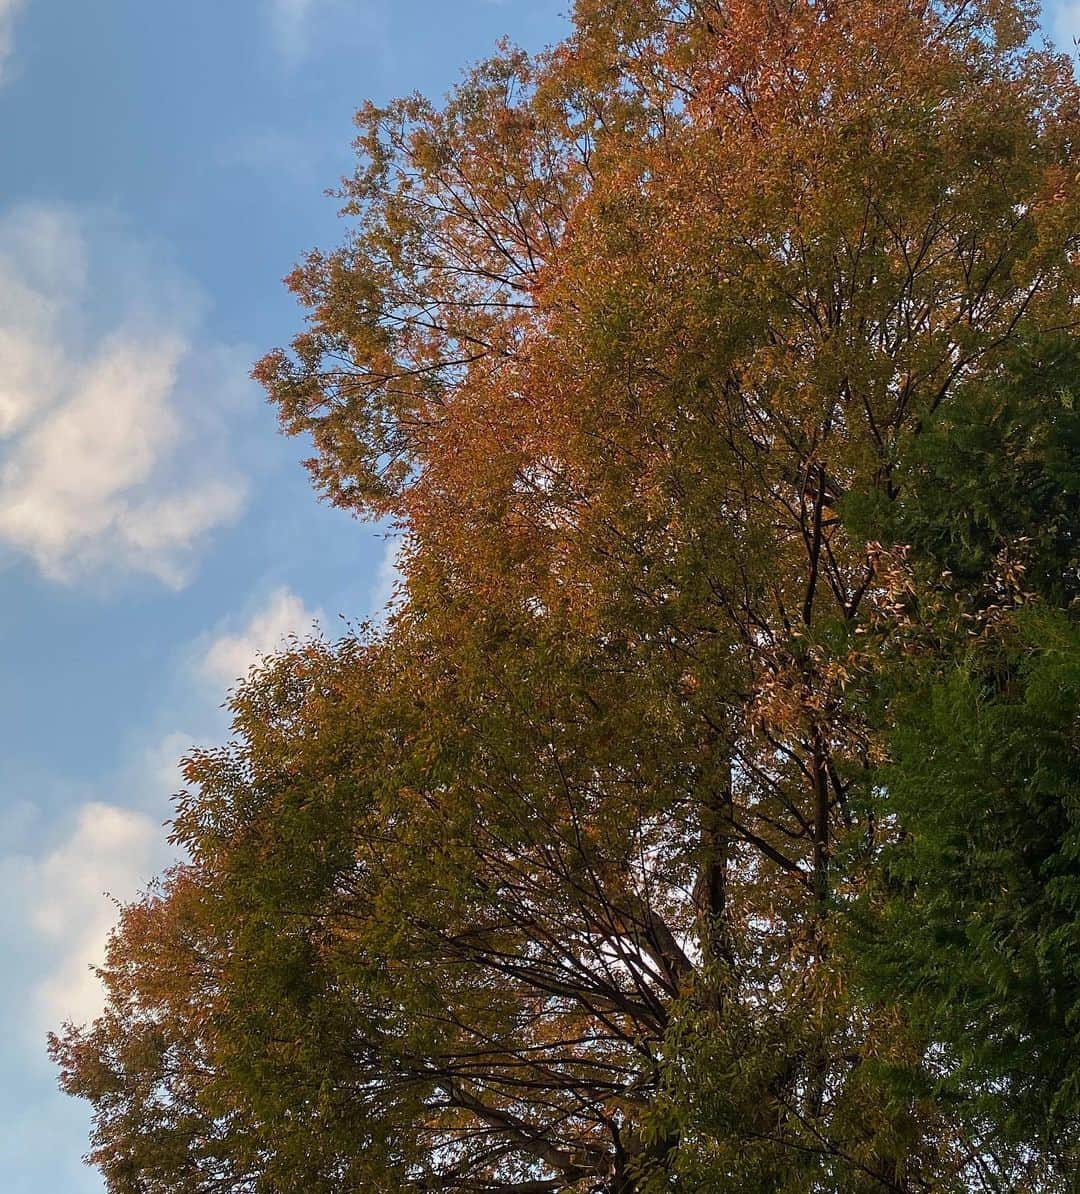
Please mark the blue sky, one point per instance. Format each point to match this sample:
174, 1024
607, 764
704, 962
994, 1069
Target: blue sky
164, 165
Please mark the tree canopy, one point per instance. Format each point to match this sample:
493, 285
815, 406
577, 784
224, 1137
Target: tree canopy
704, 816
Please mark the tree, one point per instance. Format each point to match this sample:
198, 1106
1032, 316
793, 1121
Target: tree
972, 917
548, 886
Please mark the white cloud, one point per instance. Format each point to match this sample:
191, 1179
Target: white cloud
101, 466
8, 11
385, 589
290, 25
67, 896
59, 899
155, 769
228, 657
296, 26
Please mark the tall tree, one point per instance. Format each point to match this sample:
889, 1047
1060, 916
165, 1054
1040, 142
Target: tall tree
548, 886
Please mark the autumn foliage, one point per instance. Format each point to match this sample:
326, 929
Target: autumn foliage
649, 845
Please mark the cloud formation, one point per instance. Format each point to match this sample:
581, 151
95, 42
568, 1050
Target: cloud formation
98, 461
386, 587
68, 897
290, 26
228, 657
297, 28
8, 11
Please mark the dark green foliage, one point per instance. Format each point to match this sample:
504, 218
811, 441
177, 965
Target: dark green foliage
977, 933
995, 470
981, 933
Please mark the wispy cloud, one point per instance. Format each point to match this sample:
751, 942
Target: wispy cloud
386, 587
101, 468
67, 898
9, 9
107, 857
290, 25
298, 27
226, 658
